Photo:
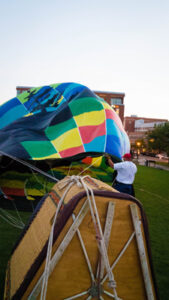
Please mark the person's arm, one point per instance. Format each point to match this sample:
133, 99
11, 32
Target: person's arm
111, 164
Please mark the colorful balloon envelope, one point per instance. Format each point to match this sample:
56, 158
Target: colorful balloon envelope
61, 124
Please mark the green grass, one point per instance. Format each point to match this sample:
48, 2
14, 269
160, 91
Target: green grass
8, 238
151, 187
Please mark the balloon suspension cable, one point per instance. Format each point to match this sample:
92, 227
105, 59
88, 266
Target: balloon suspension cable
69, 169
27, 196
29, 166
11, 220
42, 184
89, 166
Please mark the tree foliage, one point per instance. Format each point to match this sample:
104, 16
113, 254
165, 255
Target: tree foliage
158, 138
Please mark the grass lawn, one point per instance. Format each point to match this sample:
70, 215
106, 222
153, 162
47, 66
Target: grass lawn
8, 237
152, 190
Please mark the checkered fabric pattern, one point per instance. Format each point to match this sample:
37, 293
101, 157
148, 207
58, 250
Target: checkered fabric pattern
59, 121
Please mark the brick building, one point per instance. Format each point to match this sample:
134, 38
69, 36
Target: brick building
21, 89
137, 127
116, 100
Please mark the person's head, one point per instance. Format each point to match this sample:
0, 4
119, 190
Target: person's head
127, 157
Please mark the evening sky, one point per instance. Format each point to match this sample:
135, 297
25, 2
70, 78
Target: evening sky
118, 46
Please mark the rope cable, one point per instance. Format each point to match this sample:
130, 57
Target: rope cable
88, 166
49, 250
11, 219
69, 169
67, 184
99, 236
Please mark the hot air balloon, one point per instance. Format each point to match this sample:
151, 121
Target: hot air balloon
53, 141
50, 131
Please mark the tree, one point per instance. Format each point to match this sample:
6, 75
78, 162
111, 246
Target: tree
158, 138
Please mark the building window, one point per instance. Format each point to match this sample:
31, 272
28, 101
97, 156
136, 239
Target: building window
116, 101
116, 108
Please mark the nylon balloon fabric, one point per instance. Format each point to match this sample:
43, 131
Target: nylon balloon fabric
62, 129
59, 121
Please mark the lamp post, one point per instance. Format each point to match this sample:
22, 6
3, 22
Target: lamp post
138, 144
151, 141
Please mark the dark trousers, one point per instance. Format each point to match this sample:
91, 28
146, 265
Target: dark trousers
124, 188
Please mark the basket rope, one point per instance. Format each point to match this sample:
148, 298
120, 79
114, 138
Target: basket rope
68, 183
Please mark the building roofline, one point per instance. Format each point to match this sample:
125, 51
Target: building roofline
108, 92
102, 92
145, 118
23, 87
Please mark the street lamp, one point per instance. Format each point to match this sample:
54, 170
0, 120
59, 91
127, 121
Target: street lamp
138, 144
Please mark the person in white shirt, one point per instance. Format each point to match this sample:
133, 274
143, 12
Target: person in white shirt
126, 171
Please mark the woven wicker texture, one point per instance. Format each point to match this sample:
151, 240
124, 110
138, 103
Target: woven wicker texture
31, 244
71, 274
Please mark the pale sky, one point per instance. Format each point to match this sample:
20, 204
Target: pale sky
110, 45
